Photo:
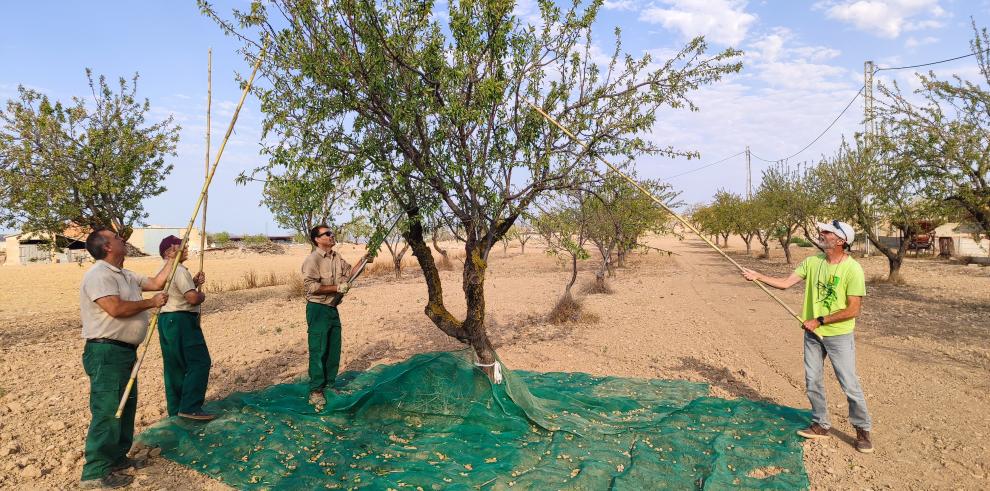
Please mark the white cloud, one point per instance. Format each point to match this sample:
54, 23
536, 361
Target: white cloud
913, 42
781, 62
619, 5
886, 18
787, 93
722, 21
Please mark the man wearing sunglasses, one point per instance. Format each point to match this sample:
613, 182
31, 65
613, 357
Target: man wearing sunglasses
834, 291
325, 276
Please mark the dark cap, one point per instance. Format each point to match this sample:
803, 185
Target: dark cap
167, 242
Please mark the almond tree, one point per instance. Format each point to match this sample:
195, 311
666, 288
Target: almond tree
90, 162
435, 110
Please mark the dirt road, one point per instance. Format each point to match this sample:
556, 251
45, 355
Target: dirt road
923, 352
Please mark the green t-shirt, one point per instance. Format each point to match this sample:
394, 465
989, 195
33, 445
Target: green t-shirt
826, 288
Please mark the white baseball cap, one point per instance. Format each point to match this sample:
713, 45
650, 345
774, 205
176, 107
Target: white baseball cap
841, 229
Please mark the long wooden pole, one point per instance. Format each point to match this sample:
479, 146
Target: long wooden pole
206, 197
185, 237
668, 209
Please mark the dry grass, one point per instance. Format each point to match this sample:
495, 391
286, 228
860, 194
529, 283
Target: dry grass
597, 286
249, 280
384, 266
296, 286
884, 280
445, 264
567, 309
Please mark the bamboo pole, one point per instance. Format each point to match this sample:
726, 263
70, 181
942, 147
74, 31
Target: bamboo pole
185, 237
668, 210
206, 196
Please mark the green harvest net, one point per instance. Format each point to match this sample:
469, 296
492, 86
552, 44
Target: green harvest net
435, 422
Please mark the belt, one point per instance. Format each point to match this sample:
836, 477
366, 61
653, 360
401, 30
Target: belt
113, 342
182, 312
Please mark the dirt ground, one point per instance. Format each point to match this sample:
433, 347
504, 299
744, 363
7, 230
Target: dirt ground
923, 352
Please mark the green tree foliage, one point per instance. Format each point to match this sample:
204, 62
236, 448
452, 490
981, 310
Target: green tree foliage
434, 111
221, 239
618, 216
306, 194
875, 183
253, 240
563, 226
948, 134
359, 229
88, 162
790, 202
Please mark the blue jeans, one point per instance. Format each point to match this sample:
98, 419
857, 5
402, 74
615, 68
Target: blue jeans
842, 351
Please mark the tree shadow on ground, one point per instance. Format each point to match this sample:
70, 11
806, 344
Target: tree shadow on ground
722, 378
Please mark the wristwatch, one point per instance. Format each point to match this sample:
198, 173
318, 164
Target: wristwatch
821, 321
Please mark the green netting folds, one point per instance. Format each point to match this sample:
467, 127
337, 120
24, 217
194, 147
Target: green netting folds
435, 422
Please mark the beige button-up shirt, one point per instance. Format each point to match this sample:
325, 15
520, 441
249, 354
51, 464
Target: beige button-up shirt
324, 268
104, 280
181, 283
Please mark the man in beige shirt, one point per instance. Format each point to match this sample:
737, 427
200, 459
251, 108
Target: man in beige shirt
185, 357
114, 321
325, 276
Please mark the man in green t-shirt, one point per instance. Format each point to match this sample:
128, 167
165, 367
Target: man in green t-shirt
833, 295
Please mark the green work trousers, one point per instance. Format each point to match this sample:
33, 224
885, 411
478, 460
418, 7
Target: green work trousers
323, 329
109, 439
186, 361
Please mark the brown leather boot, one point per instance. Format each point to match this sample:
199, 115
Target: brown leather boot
863, 442
814, 431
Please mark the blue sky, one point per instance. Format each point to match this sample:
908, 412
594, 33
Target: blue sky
803, 63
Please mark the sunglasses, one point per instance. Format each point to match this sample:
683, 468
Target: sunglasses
326, 234
835, 223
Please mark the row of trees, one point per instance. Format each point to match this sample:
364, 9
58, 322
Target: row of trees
926, 163
605, 214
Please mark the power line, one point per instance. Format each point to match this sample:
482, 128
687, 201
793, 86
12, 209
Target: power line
703, 167
931, 63
859, 93
830, 125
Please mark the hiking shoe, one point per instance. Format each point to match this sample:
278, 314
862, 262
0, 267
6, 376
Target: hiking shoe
109, 481
814, 431
317, 400
129, 463
198, 416
863, 442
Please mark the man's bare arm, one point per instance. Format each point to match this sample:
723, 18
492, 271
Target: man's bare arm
119, 308
779, 283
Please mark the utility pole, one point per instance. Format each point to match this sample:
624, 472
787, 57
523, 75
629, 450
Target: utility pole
749, 174
869, 128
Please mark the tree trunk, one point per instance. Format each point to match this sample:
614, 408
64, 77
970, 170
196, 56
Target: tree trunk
894, 259
471, 331
894, 269
522, 245
725, 240
786, 244
748, 239
567, 291
397, 256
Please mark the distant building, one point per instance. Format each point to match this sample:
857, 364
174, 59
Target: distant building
70, 246
278, 239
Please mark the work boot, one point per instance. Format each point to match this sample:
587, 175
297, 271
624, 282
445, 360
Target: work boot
109, 481
863, 443
129, 463
814, 431
198, 416
317, 400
